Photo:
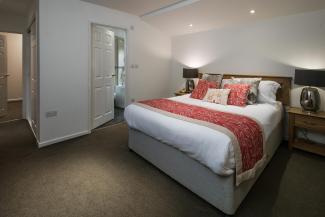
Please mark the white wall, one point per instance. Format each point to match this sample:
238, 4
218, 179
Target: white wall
14, 65
12, 23
273, 47
64, 31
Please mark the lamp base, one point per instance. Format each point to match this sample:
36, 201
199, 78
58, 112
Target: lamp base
310, 99
189, 87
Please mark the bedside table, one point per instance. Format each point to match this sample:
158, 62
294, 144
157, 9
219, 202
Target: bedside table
180, 93
309, 121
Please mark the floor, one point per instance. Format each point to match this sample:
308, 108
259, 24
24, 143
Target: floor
96, 175
15, 111
118, 118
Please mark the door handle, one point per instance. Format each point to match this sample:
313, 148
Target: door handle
4, 76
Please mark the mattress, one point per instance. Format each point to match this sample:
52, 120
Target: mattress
210, 147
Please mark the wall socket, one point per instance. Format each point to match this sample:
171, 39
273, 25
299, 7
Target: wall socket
51, 114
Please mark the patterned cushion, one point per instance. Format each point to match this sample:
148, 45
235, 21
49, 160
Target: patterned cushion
202, 88
219, 96
253, 92
217, 78
238, 94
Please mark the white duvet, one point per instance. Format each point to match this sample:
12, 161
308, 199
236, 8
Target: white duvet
210, 147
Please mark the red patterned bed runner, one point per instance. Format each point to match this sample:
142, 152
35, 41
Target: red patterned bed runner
246, 133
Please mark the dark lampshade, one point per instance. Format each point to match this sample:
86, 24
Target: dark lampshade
190, 73
310, 77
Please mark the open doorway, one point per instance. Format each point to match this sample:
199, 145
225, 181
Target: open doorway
108, 73
11, 77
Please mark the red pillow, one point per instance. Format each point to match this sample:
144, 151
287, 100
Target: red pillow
238, 94
202, 88
213, 85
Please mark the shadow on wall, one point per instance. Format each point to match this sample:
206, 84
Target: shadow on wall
270, 47
245, 64
154, 79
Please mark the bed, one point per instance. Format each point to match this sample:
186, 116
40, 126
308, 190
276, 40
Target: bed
171, 145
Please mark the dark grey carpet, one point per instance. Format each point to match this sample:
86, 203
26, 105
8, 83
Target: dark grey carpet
15, 110
96, 175
118, 118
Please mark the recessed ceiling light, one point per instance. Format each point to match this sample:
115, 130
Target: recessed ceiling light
190, 25
252, 11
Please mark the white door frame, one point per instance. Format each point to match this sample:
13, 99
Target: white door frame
34, 105
90, 85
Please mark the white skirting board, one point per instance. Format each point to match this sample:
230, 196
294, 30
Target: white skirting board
61, 139
56, 140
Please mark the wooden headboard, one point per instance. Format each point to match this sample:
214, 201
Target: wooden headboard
283, 93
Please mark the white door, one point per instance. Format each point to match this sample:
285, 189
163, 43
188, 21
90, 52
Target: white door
3, 76
34, 79
103, 66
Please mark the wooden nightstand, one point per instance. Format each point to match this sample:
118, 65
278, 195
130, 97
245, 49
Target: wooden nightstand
311, 122
181, 93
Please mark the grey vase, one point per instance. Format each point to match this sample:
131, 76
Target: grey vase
310, 99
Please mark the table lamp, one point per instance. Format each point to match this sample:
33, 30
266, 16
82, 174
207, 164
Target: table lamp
309, 98
189, 74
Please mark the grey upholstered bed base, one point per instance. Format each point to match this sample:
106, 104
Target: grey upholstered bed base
220, 191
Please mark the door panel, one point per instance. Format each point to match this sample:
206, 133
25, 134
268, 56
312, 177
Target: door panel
3, 76
103, 66
107, 63
97, 63
99, 95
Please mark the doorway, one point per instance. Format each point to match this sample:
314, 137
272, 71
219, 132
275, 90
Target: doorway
11, 77
108, 75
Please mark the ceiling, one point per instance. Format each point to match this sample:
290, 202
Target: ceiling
136, 7
17, 7
209, 14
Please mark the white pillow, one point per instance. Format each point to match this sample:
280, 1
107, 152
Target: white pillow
267, 91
